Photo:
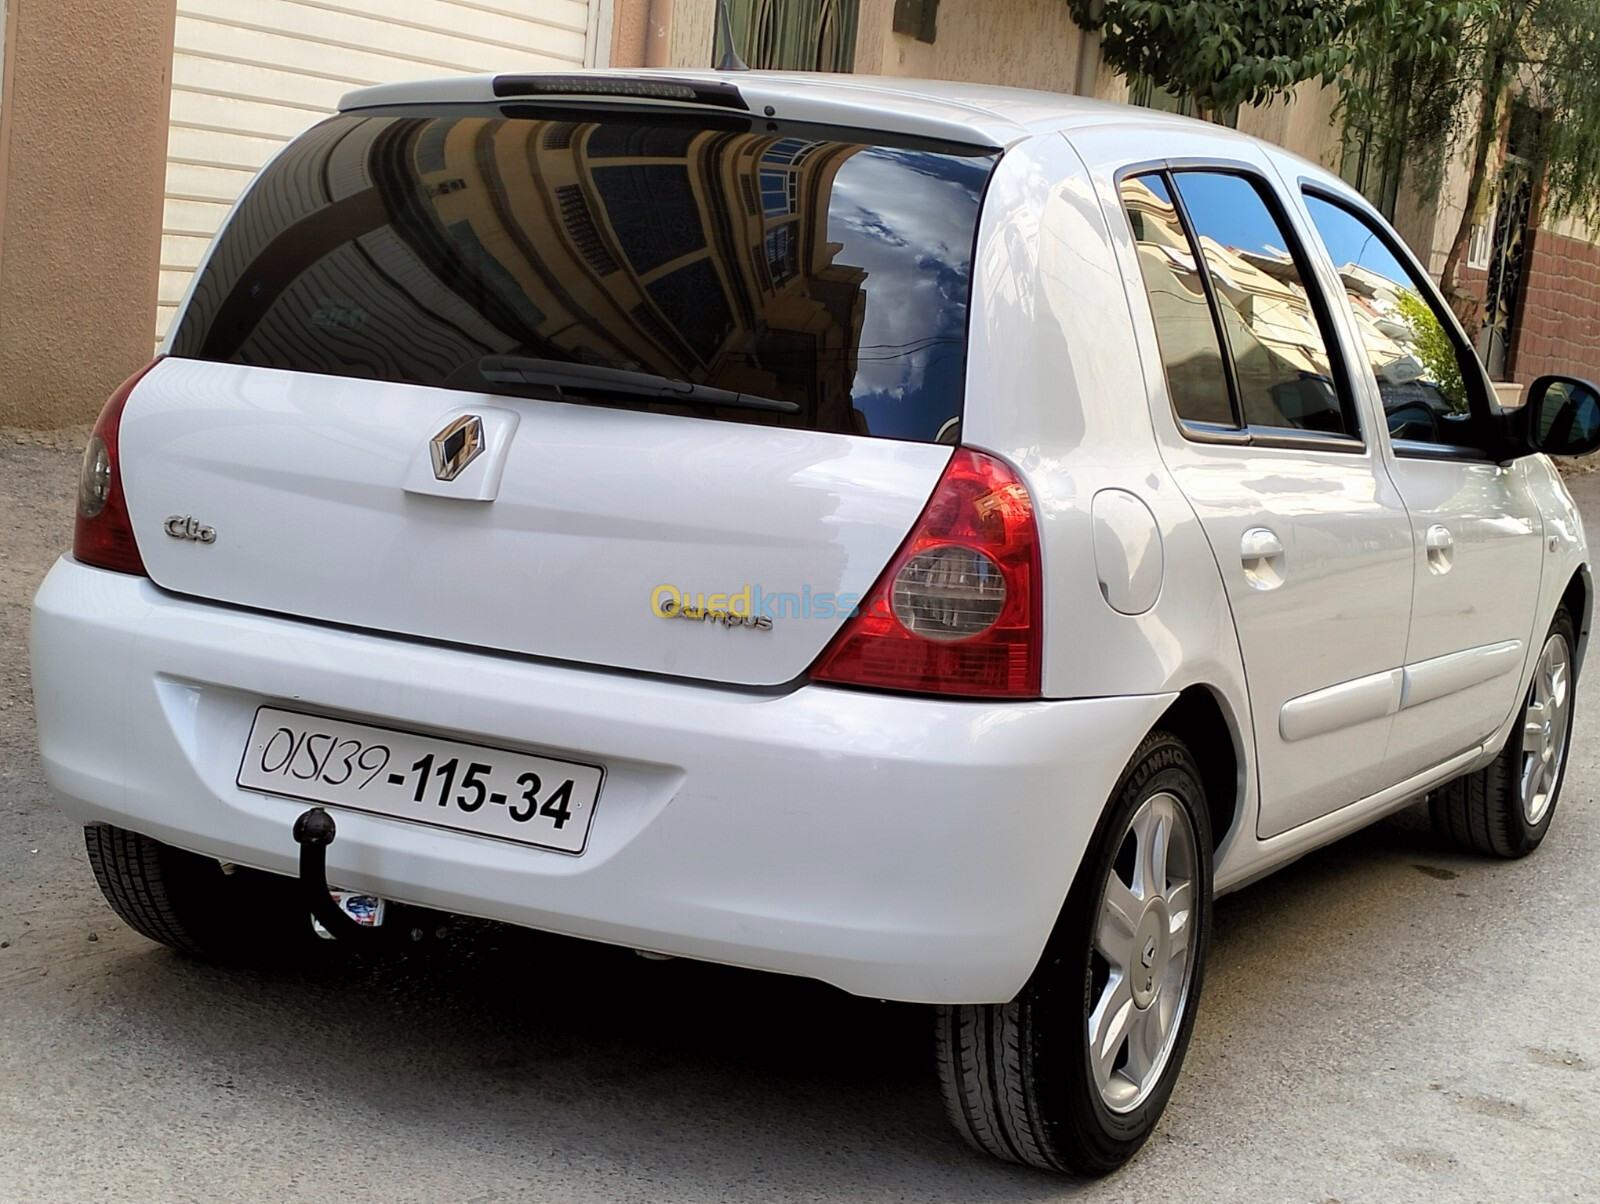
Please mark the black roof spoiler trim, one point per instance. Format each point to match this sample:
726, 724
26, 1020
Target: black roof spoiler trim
624, 87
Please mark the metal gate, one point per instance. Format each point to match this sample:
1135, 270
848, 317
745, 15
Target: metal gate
1502, 300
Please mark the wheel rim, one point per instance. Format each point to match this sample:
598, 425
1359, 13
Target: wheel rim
1544, 729
1142, 962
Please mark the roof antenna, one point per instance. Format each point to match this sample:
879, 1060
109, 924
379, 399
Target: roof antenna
730, 60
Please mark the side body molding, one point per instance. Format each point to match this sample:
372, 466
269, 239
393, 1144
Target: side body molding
1381, 694
1443, 675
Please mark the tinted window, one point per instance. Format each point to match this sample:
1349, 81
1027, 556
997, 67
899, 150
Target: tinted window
1185, 328
1425, 373
820, 270
1276, 340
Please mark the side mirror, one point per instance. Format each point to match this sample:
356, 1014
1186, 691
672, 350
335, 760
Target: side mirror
1563, 416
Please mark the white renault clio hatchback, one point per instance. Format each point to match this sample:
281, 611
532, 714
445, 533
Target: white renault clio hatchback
927, 538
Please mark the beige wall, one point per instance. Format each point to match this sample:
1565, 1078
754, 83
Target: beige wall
1303, 123
693, 29
662, 33
1021, 43
82, 155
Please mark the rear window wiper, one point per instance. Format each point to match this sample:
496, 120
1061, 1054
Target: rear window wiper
580, 378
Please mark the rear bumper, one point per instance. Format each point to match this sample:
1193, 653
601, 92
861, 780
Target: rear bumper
896, 847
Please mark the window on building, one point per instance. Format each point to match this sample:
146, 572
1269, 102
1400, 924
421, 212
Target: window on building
783, 253
1482, 244
1374, 170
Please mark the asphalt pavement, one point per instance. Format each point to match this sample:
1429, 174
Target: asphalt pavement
1385, 1020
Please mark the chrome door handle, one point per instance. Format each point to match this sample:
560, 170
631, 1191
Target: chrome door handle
1441, 549
1260, 544
1261, 553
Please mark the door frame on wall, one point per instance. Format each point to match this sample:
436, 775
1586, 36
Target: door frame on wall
602, 15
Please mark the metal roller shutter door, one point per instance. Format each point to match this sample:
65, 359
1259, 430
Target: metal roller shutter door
249, 74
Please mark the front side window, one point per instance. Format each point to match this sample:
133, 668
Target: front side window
1426, 375
824, 269
1276, 337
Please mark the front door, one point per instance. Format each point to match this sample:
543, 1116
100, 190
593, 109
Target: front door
1478, 534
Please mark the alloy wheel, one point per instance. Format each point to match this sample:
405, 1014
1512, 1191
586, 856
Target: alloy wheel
1142, 965
1544, 729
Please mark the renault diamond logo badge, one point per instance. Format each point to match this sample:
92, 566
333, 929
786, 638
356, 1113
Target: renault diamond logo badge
458, 445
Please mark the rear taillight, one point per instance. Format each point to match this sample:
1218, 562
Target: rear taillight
957, 611
104, 534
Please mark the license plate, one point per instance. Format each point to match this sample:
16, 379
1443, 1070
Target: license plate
447, 783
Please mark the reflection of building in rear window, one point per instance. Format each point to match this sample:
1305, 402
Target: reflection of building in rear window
652, 209
777, 193
430, 147
782, 253
493, 276
789, 150
559, 135
611, 141
692, 300
578, 219
779, 183
410, 247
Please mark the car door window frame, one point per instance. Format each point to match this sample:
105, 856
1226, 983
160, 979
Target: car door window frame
1242, 434
1480, 405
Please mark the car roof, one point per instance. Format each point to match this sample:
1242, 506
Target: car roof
981, 113
951, 110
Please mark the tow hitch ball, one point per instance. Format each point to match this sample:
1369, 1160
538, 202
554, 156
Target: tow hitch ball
314, 832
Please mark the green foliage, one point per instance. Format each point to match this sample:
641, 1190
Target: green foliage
1419, 71
1222, 53
1433, 349
1404, 92
1568, 90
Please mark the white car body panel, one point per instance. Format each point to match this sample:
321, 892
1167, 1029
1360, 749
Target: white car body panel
305, 482
1334, 610
899, 847
848, 836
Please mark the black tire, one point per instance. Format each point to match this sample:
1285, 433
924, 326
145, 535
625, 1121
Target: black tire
189, 902
1018, 1078
1484, 810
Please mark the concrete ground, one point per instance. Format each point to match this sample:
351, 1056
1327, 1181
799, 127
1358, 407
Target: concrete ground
1387, 1020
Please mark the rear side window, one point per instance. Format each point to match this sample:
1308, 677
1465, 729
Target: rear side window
1282, 369
1244, 343
493, 252
1191, 348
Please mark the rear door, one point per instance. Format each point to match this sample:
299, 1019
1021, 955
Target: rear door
1478, 534
1309, 535
650, 391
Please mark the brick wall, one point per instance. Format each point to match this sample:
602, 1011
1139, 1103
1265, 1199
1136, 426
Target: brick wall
1558, 328
1474, 281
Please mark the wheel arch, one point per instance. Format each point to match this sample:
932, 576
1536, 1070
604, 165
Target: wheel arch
1200, 718
1578, 598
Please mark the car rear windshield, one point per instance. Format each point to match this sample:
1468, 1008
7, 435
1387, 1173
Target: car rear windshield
490, 250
